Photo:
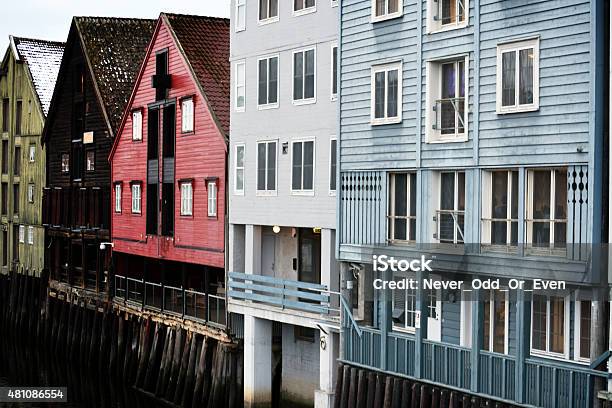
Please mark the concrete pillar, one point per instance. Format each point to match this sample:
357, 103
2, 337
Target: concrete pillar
252, 249
257, 362
328, 354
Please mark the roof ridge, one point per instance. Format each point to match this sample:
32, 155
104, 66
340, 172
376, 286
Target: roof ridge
114, 19
195, 16
40, 40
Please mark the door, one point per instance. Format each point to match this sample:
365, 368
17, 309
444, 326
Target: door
309, 269
268, 254
434, 315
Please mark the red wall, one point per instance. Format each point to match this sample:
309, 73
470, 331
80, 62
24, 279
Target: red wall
197, 156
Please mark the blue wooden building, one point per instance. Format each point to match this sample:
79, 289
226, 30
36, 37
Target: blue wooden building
473, 132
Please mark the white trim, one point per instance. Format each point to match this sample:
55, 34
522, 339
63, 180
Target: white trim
118, 198
566, 331
303, 192
516, 47
334, 96
305, 10
268, 20
22, 234
269, 105
211, 194
30, 235
387, 16
331, 174
434, 22
386, 68
465, 320
186, 188
241, 3
236, 190
405, 328
31, 192
266, 192
187, 115
137, 125
236, 84
32, 153
577, 326
334, 3
136, 189
304, 100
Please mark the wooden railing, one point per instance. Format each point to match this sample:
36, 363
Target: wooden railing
497, 375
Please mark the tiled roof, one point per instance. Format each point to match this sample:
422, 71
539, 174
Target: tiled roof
115, 48
205, 41
43, 59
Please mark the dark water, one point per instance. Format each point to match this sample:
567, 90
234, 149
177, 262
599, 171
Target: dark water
30, 365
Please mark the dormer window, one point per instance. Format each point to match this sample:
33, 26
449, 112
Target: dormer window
161, 79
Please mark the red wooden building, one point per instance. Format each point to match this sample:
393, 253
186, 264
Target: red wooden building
168, 171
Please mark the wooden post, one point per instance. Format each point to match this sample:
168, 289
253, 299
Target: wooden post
522, 344
420, 332
477, 337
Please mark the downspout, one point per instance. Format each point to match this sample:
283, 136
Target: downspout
609, 189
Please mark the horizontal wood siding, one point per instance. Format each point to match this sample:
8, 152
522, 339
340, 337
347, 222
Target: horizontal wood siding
199, 155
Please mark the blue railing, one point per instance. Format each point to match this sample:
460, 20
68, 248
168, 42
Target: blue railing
447, 364
284, 294
497, 375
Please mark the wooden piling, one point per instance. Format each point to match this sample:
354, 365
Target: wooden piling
362, 389
352, 388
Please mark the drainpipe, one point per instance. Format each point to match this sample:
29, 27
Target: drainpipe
609, 189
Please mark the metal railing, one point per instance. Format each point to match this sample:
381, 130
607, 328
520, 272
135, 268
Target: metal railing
153, 295
450, 116
497, 375
449, 226
284, 294
447, 363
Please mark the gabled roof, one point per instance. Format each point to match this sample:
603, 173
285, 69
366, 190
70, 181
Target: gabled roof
43, 59
205, 43
114, 49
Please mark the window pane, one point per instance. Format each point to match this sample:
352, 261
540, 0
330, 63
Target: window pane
271, 184
448, 80
515, 194
557, 324
526, 76
308, 165
539, 322
392, 84
240, 78
499, 328
273, 81
263, 82
560, 208
401, 194
461, 191
379, 97
310, 75
413, 194
399, 305
508, 78
241, 17
261, 166
447, 191
461, 9
393, 6
263, 9
240, 179
332, 170
298, 76
447, 114
585, 329
298, 4
334, 70
486, 327
296, 176
273, 8
499, 196
240, 156
541, 208
380, 7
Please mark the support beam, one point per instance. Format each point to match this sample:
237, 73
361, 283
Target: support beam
328, 353
477, 336
522, 343
257, 362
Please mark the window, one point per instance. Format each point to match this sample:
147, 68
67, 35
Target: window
136, 198
304, 76
18, 114
239, 170
268, 11
31, 235
267, 90
582, 330
495, 327
65, 163
302, 166
500, 208
518, 82
32, 153
212, 198
5, 115
17, 161
549, 319
118, 197
161, 80
450, 217
404, 306
447, 14
402, 207
334, 72
385, 9
137, 125
5, 195
187, 115
333, 160
16, 199
546, 218
187, 198
30, 193
240, 90
446, 96
303, 6
90, 160
22, 234
240, 15
5, 157
386, 95
266, 167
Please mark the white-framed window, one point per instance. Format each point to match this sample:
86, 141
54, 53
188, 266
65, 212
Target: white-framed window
32, 153
404, 306
582, 330
268, 11
267, 82
30, 235
240, 86
386, 93
546, 210
137, 125
118, 197
447, 113
240, 15
500, 208
450, 218
402, 207
304, 76
447, 14
550, 325
333, 164
65, 163
212, 198
386, 9
239, 151
495, 322
136, 198
334, 72
90, 160
30, 193
187, 115
22, 234
186, 198
304, 7
518, 76
302, 166
266, 167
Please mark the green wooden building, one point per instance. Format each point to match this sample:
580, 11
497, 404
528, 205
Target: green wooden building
27, 78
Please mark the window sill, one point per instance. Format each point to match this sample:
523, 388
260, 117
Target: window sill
309, 101
239, 110
334, 98
136, 213
303, 193
238, 193
448, 27
386, 121
406, 330
266, 193
305, 11
238, 30
136, 140
378, 19
550, 355
398, 242
186, 215
268, 106
520, 109
267, 21
332, 193
457, 138
189, 133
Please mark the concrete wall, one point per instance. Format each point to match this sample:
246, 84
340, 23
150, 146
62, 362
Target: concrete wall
300, 368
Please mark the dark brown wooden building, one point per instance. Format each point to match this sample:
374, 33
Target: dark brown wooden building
100, 64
